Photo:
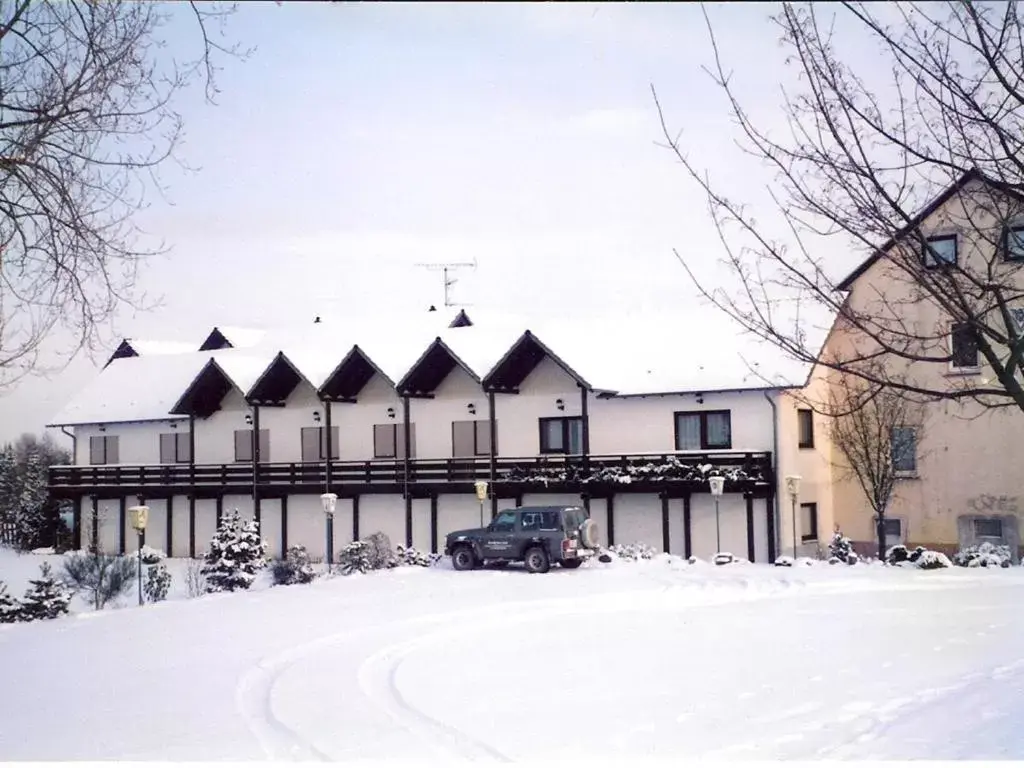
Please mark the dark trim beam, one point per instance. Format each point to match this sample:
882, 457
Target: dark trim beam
169, 532
94, 534
433, 523
122, 526
687, 528
284, 526
751, 549
355, 518
666, 538
192, 525
770, 513
407, 467
610, 511
220, 512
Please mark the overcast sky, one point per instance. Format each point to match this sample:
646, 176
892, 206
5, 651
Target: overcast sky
360, 140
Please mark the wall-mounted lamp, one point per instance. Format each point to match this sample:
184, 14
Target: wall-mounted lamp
391, 413
102, 428
173, 424
560, 404
248, 418
471, 408
700, 398
316, 417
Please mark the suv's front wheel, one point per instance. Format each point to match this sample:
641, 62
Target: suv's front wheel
537, 560
463, 559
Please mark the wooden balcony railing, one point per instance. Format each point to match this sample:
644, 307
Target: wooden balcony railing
738, 467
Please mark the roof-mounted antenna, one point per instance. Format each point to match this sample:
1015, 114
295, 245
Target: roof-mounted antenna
446, 268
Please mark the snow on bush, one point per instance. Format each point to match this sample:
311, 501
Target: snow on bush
840, 549
670, 469
355, 558
379, 550
101, 577
784, 561
46, 598
897, 554
985, 555
158, 582
295, 568
195, 581
150, 555
10, 608
723, 558
920, 557
412, 556
236, 555
928, 560
635, 551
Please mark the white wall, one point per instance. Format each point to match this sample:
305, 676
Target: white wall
138, 442
517, 415
638, 519
181, 530
355, 421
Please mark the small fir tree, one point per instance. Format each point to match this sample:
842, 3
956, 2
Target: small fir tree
10, 608
46, 598
236, 555
841, 548
158, 583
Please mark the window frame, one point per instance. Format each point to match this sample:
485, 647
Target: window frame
181, 448
955, 328
801, 414
1004, 242
898, 536
478, 449
264, 438
988, 521
703, 416
812, 536
566, 449
396, 455
107, 441
900, 471
321, 443
940, 263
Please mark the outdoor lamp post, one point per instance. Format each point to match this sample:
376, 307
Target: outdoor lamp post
793, 489
138, 517
481, 496
330, 501
717, 483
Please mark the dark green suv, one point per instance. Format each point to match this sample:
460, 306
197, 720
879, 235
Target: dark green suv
536, 536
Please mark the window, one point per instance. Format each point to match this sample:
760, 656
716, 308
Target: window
805, 426
809, 522
314, 443
892, 527
963, 347
904, 449
505, 522
702, 430
389, 441
1013, 243
174, 448
988, 528
103, 449
471, 438
544, 520
563, 434
940, 251
243, 445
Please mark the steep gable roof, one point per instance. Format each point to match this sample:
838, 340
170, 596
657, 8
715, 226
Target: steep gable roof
972, 175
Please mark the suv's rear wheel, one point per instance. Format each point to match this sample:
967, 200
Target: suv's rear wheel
463, 559
537, 560
571, 562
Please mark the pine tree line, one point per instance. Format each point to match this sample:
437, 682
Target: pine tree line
29, 518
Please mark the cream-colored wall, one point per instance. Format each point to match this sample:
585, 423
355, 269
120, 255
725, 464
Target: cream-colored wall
967, 457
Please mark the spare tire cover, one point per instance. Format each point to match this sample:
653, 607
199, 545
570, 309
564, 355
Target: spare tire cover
588, 534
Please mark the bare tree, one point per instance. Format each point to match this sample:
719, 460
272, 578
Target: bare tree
939, 117
87, 119
876, 431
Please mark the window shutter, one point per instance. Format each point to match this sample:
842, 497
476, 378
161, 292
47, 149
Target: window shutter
335, 438
97, 450
463, 433
264, 445
483, 437
243, 445
184, 449
113, 454
168, 448
311, 438
384, 442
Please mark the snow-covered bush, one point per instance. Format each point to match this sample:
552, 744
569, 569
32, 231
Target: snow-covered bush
412, 556
897, 554
840, 549
295, 568
236, 555
46, 598
635, 551
928, 560
784, 561
724, 558
158, 583
985, 555
355, 557
195, 581
101, 577
379, 550
10, 608
150, 555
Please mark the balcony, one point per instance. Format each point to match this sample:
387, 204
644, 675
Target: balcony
744, 471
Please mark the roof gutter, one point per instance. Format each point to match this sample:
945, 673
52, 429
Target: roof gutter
777, 533
74, 445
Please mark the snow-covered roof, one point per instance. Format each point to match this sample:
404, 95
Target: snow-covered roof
644, 353
242, 338
160, 347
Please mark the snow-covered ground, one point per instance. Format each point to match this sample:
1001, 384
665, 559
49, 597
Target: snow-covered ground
651, 659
